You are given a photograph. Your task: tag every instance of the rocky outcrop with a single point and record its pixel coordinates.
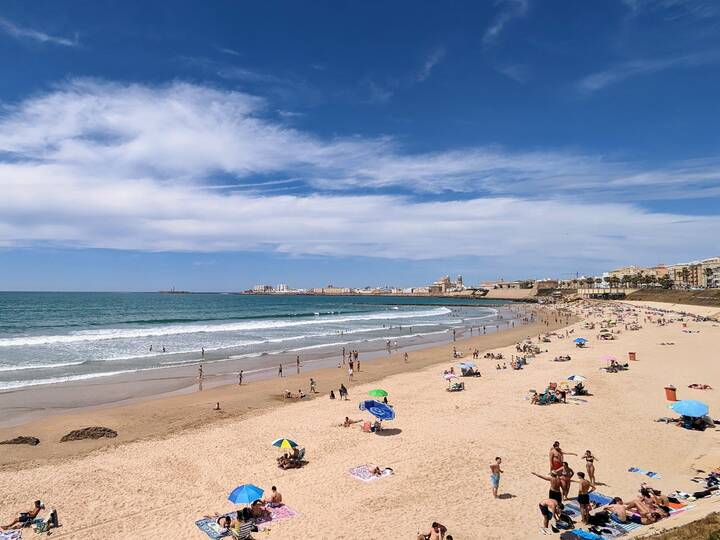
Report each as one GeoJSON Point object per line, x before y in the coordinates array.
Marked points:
{"type": "Point", "coordinates": [32, 441]}
{"type": "Point", "coordinates": [89, 433]}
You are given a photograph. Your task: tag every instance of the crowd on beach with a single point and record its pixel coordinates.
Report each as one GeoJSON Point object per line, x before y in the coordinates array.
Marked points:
{"type": "Point", "coordinates": [558, 509]}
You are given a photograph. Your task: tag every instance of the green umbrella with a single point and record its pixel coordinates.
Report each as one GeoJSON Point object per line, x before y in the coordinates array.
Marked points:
{"type": "Point", "coordinates": [378, 392]}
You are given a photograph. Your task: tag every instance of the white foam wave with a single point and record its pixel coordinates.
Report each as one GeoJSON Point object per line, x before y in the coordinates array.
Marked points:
{"type": "Point", "coordinates": [175, 329]}
{"type": "Point", "coordinates": [38, 366]}
{"type": "Point", "coordinates": [12, 385]}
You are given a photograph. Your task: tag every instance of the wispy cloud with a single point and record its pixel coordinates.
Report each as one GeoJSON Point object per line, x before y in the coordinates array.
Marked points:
{"type": "Point", "coordinates": [674, 9]}
{"type": "Point", "coordinates": [379, 94]}
{"type": "Point", "coordinates": [509, 10]}
{"type": "Point", "coordinates": [231, 52]}
{"type": "Point", "coordinates": [626, 70]}
{"type": "Point", "coordinates": [96, 164]}
{"type": "Point", "coordinates": [518, 73]}
{"type": "Point", "coordinates": [22, 32]}
{"type": "Point", "coordinates": [432, 60]}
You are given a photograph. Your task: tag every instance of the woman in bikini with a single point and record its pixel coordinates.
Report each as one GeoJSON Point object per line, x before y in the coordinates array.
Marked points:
{"type": "Point", "coordinates": [590, 465]}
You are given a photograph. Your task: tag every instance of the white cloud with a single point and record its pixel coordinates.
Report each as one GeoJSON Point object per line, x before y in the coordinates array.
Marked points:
{"type": "Point", "coordinates": [20, 32]}
{"type": "Point", "coordinates": [509, 10]}
{"type": "Point", "coordinates": [634, 68]}
{"type": "Point", "coordinates": [95, 164]}
{"type": "Point", "coordinates": [432, 60]}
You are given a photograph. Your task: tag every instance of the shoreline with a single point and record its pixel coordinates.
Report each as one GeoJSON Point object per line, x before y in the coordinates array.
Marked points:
{"type": "Point", "coordinates": [439, 445]}
{"type": "Point", "coordinates": [183, 407]}
{"type": "Point", "coordinates": [219, 369]}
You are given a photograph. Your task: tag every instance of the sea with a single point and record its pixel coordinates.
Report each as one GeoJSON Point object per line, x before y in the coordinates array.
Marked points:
{"type": "Point", "coordinates": [56, 337]}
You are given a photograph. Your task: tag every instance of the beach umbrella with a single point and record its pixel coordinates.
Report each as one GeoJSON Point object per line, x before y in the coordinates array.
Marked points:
{"type": "Point", "coordinates": [448, 376]}
{"type": "Point", "coordinates": [576, 378]}
{"type": "Point", "coordinates": [467, 365]}
{"type": "Point", "coordinates": [284, 443]}
{"type": "Point", "coordinates": [245, 494]}
{"type": "Point", "coordinates": [580, 340]}
{"type": "Point", "coordinates": [690, 407]}
{"type": "Point", "coordinates": [377, 409]}
{"type": "Point", "coordinates": [378, 392]}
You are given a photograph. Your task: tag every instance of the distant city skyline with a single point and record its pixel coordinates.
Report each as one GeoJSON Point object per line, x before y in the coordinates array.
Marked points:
{"type": "Point", "coordinates": [215, 146]}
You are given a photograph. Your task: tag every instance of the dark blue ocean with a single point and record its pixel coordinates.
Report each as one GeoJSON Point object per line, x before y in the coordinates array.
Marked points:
{"type": "Point", "coordinates": [55, 337]}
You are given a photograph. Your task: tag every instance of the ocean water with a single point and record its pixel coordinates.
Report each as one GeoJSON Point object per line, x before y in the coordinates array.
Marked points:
{"type": "Point", "coordinates": [49, 338]}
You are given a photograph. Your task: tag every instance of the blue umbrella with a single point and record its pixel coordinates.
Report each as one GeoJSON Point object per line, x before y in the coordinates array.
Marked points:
{"type": "Point", "coordinates": [580, 340]}
{"type": "Point", "coordinates": [378, 409]}
{"type": "Point", "coordinates": [245, 494]}
{"type": "Point", "coordinates": [690, 407]}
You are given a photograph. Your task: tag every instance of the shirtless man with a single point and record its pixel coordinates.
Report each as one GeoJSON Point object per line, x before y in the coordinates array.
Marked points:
{"type": "Point", "coordinates": [275, 498]}
{"type": "Point", "coordinates": [586, 488]}
{"type": "Point", "coordinates": [618, 512]}
{"type": "Point", "coordinates": [549, 508]}
{"type": "Point", "coordinates": [25, 517]}
{"type": "Point", "coordinates": [495, 472]}
{"type": "Point", "coordinates": [555, 492]}
{"type": "Point", "coordinates": [557, 456]}
{"type": "Point", "coordinates": [641, 506]}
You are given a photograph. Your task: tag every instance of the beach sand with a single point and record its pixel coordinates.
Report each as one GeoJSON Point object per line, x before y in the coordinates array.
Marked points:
{"type": "Point", "coordinates": [141, 485]}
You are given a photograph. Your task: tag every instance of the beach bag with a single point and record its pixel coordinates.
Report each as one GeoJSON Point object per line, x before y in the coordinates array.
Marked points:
{"type": "Point", "coordinates": [600, 518]}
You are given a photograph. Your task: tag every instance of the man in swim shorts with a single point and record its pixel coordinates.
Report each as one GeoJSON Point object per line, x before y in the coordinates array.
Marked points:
{"type": "Point", "coordinates": [25, 518]}
{"type": "Point", "coordinates": [495, 472]}
{"type": "Point", "coordinates": [549, 508]}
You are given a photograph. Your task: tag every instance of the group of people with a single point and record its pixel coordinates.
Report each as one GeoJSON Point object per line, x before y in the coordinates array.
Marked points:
{"type": "Point", "coordinates": [292, 460]}
{"type": "Point", "coordinates": [31, 517]}
{"type": "Point", "coordinates": [243, 522]}
{"type": "Point", "coordinates": [342, 393]}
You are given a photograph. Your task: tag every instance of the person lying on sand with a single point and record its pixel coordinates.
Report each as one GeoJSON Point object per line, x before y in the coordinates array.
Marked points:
{"type": "Point", "coordinates": [258, 510]}
{"type": "Point", "coordinates": [618, 512]}
{"type": "Point", "coordinates": [376, 470]}
{"type": "Point", "coordinates": [697, 386]}
{"type": "Point", "coordinates": [24, 519]}
{"type": "Point", "coordinates": [348, 422]}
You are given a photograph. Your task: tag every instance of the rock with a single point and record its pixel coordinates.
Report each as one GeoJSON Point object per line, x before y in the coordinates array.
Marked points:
{"type": "Point", "coordinates": [32, 441]}
{"type": "Point", "coordinates": [89, 433]}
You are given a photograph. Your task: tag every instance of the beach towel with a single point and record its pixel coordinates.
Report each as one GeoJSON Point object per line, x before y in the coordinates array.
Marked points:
{"type": "Point", "coordinates": [625, 527]}
{"type": "Point", "coordinates": [11, 535]}
{"type": "Point", "coordinates": [362, 472]}
{"type": "Point", "coordinates": [208, 526]}
{"type": "Point", "coordinates": [599, 498]}
{"type": "Point", "coordinates": [278, 513]}
{"type": "Point", "coordinates": [649, 474]}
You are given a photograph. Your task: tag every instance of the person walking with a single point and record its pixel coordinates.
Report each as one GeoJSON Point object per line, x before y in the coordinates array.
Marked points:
{"type": "Point", "coordinates": [280, 373]}
{"type": "Point", "coordinates": [312, 386]}
{"type": "Point", "coordinates": [297, 363]}
{"type": "Point", "coordinates": [240, 377]}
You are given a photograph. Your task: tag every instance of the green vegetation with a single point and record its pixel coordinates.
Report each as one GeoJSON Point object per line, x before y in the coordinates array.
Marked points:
{"type": "Point", "coordinates": [707, 528]}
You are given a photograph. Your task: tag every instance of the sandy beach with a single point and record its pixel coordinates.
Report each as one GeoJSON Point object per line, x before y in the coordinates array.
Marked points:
{"type": "Point", "coordinates": [175, 460]}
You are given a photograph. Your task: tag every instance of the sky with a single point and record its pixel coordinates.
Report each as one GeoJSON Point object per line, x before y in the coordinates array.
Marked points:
{"type": "Point", "coordinates": [211, 146]}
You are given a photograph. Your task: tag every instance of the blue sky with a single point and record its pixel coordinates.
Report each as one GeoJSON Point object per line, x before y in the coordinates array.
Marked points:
{"type": "Point", "coordinates": [211, 146]}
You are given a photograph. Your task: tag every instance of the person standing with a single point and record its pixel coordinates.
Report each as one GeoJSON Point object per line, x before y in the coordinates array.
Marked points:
{"type": "Point", "coordinates": [583, 498]}
{"type": "Point", "coordinates": [312, 386]}
{"type": "Point", "coordinates": [358, 365]}
{"type": "Point", "coordinates": [495, 472]}
{"type": "Point", "coordinates": [350, 374]}
{"type": "Point", "coordinates": [297, 363]}
{"type": "Point", "coordinates": [280, 373]}
{"type": "Point", "coordinates": [590, 465]}
{"type": "Point", "coordinates": [240, 377]}
{"type": "Point", "coordinates": [453, 334]}
{"type": "Point", "coordinates": [405, 357]}
{"type": "Point", "coordinates": [202, 352]}
{"type": "Point", "coordinates": [555, 492]}
{"type": "Point", "coordinates": [343, 355]}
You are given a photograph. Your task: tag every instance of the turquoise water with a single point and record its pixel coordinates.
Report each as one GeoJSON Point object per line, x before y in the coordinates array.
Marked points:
{"type": "Point", "coordinates": [55, 337]}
